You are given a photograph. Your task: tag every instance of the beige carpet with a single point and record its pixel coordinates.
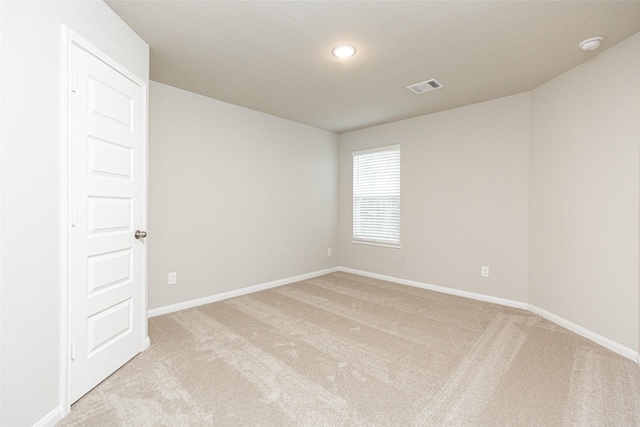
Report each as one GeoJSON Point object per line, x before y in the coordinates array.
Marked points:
{"type": "Point", "coordinates": [345, 350]}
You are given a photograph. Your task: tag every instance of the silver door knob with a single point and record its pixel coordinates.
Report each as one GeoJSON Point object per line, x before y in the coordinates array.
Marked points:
{"type": "Point", "coordinates": [140, 234]}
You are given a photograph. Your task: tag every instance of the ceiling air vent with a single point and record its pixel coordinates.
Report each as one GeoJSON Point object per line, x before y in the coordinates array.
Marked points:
{"type": "Point", "coordinates": [423, 87]}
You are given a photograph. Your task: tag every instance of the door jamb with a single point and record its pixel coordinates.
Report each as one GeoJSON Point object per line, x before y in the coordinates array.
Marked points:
{"type": "Point", "coordinates": [69, 38]}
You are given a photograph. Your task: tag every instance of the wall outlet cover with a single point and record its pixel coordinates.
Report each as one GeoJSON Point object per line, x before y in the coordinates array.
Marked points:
{"type": "Point", "coordinates": [484, 271]}
{"type": "Point", "coordinates": [172, 278]}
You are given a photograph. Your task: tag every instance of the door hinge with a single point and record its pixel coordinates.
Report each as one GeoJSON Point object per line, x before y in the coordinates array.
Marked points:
{"type": "Point", "coordinates": [72, 350]}
{"type": "Point", "coordinates": [73, 83]}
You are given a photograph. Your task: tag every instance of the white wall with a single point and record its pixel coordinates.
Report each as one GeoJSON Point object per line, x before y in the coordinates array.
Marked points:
{"type": "Point", "coordinates": [30, 190]}
{"type": "Point", "coordinates": [236, 197]}
{"type": "Point", "coordinates": [585, 138]}
{"type": "Point", "coordinates": [464, 195]}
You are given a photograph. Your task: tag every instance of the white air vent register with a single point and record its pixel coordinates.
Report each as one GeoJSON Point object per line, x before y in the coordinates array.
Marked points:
{"type": "Point", "coordinates": [423, 87]}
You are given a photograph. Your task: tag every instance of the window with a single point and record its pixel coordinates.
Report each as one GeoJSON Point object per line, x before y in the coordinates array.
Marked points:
{"type": "Point", "coordinates": [376, 196]}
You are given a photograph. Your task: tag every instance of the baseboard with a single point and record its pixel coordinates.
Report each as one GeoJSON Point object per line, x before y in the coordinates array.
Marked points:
{"type": "Point", "coordinates": [51, 419]}
{"type": "Point", "coordinates": [441, 289]}
{"type": "Point", "coordinates": [598, 339]}
{"type": "Point", "coordinates": [235, 293]}
{"type": "Point", "coordinates": [586, 333]}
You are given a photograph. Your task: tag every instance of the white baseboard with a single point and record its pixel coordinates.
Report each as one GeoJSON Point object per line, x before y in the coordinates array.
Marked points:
{"type": "Point", "coordinates": [598, 339]}
{"type": "Point", "coordinates": [235, 293]}
{"type": "Point", "coordinates": [51, 419]}
{"type": "Point", "coordinates": [441, 289]}
{"type": "Point", "coordinates": [586, 333]}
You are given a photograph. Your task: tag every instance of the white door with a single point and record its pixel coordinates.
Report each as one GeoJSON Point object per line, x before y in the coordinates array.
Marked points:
{"type": "Point", "coordinates": [106, 292]}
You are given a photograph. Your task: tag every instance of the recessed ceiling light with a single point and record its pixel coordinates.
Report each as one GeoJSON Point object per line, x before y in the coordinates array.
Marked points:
{"type": "Point", "coordinates": [344, 51]}
{"type": "Point", "coordinates": [591, 44]}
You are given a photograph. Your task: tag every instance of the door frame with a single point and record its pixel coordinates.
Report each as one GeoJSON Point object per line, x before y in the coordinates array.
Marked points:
{"type": "Point", "coordinates": [68, 39]}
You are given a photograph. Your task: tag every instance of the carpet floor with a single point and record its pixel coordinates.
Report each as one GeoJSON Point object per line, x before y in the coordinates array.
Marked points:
{"type": "Point", "coordinates": [346, 350]}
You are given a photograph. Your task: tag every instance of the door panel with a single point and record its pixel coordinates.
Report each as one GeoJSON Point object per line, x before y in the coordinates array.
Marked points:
{"type": "Point", "coordinates": [110, 214]}
{"type": "Point", "coordinates": [106, 158]}
{"type": "Point", "coordinates": [106, 195]}
{"type": "Point", "coordinates": [109, 325]}
{"type": "Point", "coordinates": [107, 102]}
{"type": "Point", "coordinates": [111, 269]}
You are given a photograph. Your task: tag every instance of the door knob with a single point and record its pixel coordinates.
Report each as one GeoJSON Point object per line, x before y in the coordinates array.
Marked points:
{"type": "Point", "coordinates": [140, 234]}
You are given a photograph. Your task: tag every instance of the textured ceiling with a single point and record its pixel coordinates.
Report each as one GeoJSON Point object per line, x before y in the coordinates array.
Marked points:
{"type": "Point", "coordinates": [275, 57]}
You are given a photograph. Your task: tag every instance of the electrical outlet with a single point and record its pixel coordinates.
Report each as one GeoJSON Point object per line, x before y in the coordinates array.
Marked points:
{"type": "Point", "coordinates": [484, 271]}
{"type": "Point", "coordinates": [329, 252]}
{"type": "Point", "coordinates": [172, 278]}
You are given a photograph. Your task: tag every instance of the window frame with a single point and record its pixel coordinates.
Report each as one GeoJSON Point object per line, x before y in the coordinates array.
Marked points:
{"type": "Point", "coordinates": [373, 241]}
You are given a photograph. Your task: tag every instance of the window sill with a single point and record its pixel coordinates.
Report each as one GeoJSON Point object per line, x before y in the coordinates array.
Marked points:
{"type": "Point", "coordinates": [386, 245]}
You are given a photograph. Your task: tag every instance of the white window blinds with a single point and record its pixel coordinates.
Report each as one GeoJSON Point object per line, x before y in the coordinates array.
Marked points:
{"type": "Point", "coordinates": [376, 196]}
